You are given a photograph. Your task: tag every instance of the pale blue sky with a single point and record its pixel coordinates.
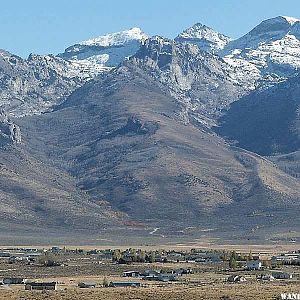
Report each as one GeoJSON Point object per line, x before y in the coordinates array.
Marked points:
{"type": "Point", "coordinates": [44, 26]}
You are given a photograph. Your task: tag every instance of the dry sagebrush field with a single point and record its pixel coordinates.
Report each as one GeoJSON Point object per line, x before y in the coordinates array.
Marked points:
{"type": "Point", "coordinates": [220, 291]}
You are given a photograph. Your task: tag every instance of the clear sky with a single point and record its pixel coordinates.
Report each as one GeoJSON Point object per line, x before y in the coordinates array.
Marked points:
{"type": "Point", "coordinates": [49, 26]}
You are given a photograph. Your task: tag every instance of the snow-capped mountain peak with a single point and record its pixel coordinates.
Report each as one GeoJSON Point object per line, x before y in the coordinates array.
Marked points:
{"type": "Point", "coordinates": [104, 52]}
{"type": "Point", "coordinates": [199, 31]}
{"type": "Point", "coordinates": [268, 30]}
{"type": "Point", "coordinates": [272, 48]}
{"type": "Point", "coordinates": [274, 26]}
{"type": "Point", "coordinates": [204, 37]}
{"type": "Point", "coordinates": [117, 38]}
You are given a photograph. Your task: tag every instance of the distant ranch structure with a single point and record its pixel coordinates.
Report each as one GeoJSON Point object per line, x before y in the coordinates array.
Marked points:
{"type": "Point", "coordinates": [41, 286]}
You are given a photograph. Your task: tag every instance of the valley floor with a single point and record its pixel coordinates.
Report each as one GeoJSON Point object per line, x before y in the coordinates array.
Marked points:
{"type": "Point", "coordinates": [208, 281]}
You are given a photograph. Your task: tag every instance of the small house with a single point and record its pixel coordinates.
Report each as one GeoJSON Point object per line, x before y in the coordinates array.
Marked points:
{"type": "Point", "coordinates": [41, 286]}
{"type": "Point", "coordinates": [161, 277]}
{"type": "Point", "coordinates": [282, 275]}
{"type": "Point", "coordinates": [14, 259]}
{"type": "Point", "coordinates": [13, 280]}
{"type": "Point", "coordinates": [254, 265]}
{"type": "Point", "coordinates": [167, 277]}
{"type": "Point", "coordinates": [150, 273]}
{"type": "Point", "coordinates": [131, 274]}
{"type": "Point", "coordinates": [87, 285]}
{"type": "Point", "coordinates": [4, 254]}
{"type": "Point", "coordinates": [125, 284]}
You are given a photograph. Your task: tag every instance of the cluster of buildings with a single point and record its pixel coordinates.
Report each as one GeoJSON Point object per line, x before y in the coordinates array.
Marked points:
{"type": "Point", "coordinates": [159, 275]}
{"type": "Point", "coordinates": [261, 277]}
{"type": "Point", "coordinates": [274, 275]}
{"type": "Point", "coordinates": [20, 254]}
{"type": "Point", "coordinates": [133, 255]}
{"type": "Point", "coordinates": [256, 265]}
{"type": "Point", "coordinates": [28, 284]}
{"type": "Point", "coordinates": [52, 285]}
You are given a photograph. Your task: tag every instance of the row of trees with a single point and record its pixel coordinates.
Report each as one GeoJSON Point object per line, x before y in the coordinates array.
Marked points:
{"type": "Point", "coordinates": [226, 256]}
{"type": "Point", "coordinates": [234, 258]}
{"type": "Point", "coordinates": [48, 259]}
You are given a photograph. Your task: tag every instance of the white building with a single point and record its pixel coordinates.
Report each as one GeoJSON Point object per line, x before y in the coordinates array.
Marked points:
{"type": "Point", "coordinates": [254, 265]}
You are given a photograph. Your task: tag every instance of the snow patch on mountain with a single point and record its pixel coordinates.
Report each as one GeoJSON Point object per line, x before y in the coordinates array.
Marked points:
{"type": "Point", "coordinates": [272, 47]}
{"type": "Point", "coordinates": [117, 38]}
{"type": "Point", "coordinates": [204, 37]}
{"type": "Point", "coordinates": [34, 85]}
{"type": "Point", "coordinates": [105, 52]}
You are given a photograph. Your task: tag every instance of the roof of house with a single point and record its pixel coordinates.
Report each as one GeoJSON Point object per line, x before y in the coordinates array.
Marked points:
{"type": "Point", "coordinates": [42, 283]}
{"type": "Point", "coordinates": [129, 272]}
{"type": "Point", "coordinates": [126, 282]}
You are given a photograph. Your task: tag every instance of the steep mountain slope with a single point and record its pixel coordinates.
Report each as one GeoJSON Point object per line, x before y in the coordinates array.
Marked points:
{"type": "Point", "coordinates": [204, 37]}
{"type": "Point", "coordinates": [33, 85]}
{"type": "Point", "coordinates": [267, 120]}
{"type": "Point", "coordinates": [37, 195]}
{"type": "Point", "coordinates": [123, 140]}
{"type": "Point", "coordinates": [104, 52]}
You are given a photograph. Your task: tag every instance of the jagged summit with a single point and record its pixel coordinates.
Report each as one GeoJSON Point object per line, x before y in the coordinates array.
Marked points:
{"type": "Point", "coordinates": [204, 37]}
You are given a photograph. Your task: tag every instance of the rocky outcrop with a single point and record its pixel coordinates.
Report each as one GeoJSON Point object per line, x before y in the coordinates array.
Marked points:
{"type": "Point", "coordinates": [202, 82]}
{"type": "Point", "coordinates": [34, 85]}
{"type": "Point", "coordinates": [10, 133]}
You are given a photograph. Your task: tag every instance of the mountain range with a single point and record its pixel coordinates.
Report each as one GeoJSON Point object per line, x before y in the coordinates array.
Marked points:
{"type": "Point", "coordinates": [195, 136]}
